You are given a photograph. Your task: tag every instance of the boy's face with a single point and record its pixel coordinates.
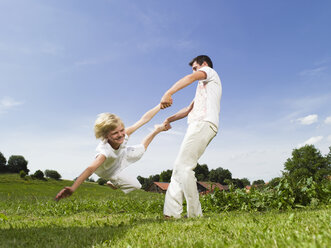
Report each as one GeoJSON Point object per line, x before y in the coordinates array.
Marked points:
{"type": "Point", "coordinates": [116, 136]}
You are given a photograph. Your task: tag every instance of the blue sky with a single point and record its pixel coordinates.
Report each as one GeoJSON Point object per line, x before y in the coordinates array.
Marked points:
{"type": "Point", "coordinates": [63, 62]}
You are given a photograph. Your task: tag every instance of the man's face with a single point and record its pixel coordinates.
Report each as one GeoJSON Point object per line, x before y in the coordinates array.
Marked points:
{"type": "Point", "coordinates": [116, 137]}
{"type": "Point", "coordinates": [196, 66]}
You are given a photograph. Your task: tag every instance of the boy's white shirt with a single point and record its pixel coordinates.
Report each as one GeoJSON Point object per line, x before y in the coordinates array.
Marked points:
{"type": "Point", "coordinates": [207, 98]}
{"type": "Point", "coordinates": [117, 160]}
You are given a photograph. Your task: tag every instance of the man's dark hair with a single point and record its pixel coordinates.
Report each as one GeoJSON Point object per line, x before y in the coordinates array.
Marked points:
{"type": "Point", "coordinates": [200, 59]}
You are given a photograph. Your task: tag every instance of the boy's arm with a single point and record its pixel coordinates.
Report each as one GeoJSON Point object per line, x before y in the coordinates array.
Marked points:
{"type": "Point", "coordinates": [68, 191]}
{"type": "Point", "coordinates": [157, 129]}
{"type": "Point", "coordinates": [143, 120]}
{"type": "Point", "coordinates": [180, 114]}
{"type": "Point", "coordinates": [166, 100]}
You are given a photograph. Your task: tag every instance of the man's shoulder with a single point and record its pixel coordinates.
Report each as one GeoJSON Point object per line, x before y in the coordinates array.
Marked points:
{"type": "Point", "coordinates": [211, 73]}
{"type": "Point", "coordinates": [208, 70]}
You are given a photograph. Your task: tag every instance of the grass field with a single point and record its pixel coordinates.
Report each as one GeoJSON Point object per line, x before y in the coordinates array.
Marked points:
{"type": "Point", "coordinates": [96, 216]}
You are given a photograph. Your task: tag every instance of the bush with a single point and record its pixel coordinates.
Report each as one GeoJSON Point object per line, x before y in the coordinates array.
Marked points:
{"type": "Point", "coordinates": [39, 175]}
{"type": "Point", "coordinates": [22, 174]}
{"type": "Point", "coordinates": [285, 195]}
{"type": "Point", "coordinates": [101, 181]}
{"type": "Point", "coordinates": [52, 174]}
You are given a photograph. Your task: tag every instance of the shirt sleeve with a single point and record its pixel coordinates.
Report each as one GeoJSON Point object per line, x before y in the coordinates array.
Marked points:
{"type": "Point", "coordinates": [208, 71]}
{"type": "Point", "coordinates": [102, 149]}
{"type": "Point", "coordinates": [134, 153]}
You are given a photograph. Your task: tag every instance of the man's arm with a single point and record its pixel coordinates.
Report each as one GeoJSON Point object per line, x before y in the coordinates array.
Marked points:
{"type": "Point", "coordinates": [166, 100]}
{"type": "Point", "coordinates": [143, 120]}
{"type": "Point", "coordinates": [68, 191]}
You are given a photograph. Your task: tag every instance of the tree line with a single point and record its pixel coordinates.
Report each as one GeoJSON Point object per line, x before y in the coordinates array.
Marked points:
{"type": "Point", "coordinates": [202, 173]}
{"type": "Point", "coordinates": [305, 162]}
{"type": "Point", "coordinates": [18, 164]}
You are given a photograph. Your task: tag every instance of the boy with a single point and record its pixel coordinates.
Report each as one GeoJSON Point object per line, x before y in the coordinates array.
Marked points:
{"type": "Point", "coordinates": [112, 153]}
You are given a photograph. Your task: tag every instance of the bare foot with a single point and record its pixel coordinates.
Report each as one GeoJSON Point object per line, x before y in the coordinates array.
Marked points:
{"type": "Point", "coordinates": [111, 185]}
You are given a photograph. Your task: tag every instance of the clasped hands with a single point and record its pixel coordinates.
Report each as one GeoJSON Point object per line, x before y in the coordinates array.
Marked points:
{"type": "Point", "coordinates": [166, 101]}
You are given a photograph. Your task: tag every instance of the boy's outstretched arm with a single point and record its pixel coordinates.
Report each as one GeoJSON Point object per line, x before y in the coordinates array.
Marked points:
{"type": "Point", "coordinates": [68, 191]}
{"type": "Point", "coordinates": [143, 120]}
{"type": "Point", "coordinates": [157, 129]}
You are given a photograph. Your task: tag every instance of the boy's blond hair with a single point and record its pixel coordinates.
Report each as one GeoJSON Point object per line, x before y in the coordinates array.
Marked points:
{"type": "Point", "coordinates": [105, 123]}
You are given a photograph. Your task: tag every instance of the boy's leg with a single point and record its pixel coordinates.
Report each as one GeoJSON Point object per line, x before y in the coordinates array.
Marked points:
{"type": "Point", "coordinates": [125, 182]}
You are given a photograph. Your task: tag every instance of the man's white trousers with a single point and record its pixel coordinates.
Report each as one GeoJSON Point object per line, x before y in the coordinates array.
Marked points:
{"type": "Point", "coordinates": [183, 181]}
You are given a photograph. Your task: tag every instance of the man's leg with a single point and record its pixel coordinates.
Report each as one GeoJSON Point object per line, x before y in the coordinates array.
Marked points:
{"type": "Point", "coordinates": [196, 140]}
{"type": "Point", "coordinates": [173, 203]}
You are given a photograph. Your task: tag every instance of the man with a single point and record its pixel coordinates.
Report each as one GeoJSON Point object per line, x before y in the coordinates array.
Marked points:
{"type": "Point", "coordinates": [203, 119]}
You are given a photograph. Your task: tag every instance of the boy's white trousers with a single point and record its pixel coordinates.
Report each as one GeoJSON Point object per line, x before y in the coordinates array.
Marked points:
{"type": "Point", "coordinates": [183, 181]}
{"type": "Point", "coordinates": [125, 182]}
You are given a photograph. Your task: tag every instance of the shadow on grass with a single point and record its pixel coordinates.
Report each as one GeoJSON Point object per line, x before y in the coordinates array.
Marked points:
{"type": "Point", "coordinates": [58, 236]}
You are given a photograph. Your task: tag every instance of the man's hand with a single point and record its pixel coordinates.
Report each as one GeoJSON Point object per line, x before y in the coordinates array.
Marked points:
{"type": "Point", "coordinates": [162, 127]}
{"type": "Point", "coordinates": [166, 101]}
{"type": "Point", "coordinates": [67, 191]}
{"type": "Point", "coordinates": [167, 125]}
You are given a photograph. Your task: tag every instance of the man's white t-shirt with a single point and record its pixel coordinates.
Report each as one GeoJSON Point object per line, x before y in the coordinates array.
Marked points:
{"type": "Point", "coordinates": [117, 160]}
{"type": "Point", "coordinates": [207, 98]}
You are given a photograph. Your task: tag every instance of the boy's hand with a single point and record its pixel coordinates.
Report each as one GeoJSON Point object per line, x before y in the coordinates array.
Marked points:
{"type": "Point", "coordinates": [162, 127]}
{"type": "Point", "coordinates": [67, 191]}
{"type": "Point", "coordinates": [167, 125]}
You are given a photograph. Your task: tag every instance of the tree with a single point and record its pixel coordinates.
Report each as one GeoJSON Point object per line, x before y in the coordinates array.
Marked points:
{"type": "Point", "coordinates": [39, 175]}
{"type": "Point", "coordinates": [16, 163]}
{"type": "Point", "coordinates": [155, 178]}
{"type": "Point", "coordinates": [274, 182]}
{"type": "Point", "coordinates": [3, 161]}
{"type": "Point", "coordinates": [201, 172]}
{"type": "Point", "coordinates": [165, 176]}
{"type": "Point", "coordinates": [101, 181]}
{"type": "Point", "coordinates": [258, 182]}
{"type": "Point", "coordinates": [307, 162]}
{"type": "Point", "coordinates": [219, 175]}
{"type": "Point", "coordinates": [238, 183]}
{"type": "Point", "coordinates": [145, 182]}
{"type": "Point", "coordinates": [52, 174]}
{"type": "Point", "coordinates": [328, 157]}
{"type": "Point", "coordinates": [245, 181]}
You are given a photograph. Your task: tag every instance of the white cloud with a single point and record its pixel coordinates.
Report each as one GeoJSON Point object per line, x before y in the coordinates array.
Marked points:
{"type": "Point", "coordinates": [311, 141]}
{"type": "Point", "coordinates": [308, 103]}
{"type": "Point", "coordinates": [313, 72]}
{"type": "Point", "coordinates": [327, 120]}
{"type": "Point", "coordinates": [329, 138]}
{"type": "Point", "coordinates": [87, 62]}
{"type": "Point", "coordinates": [51, 49]}
{"type": "Point", "coordinates": [7, 103]}
{"type": "Point", "coordinates": [308, 120]}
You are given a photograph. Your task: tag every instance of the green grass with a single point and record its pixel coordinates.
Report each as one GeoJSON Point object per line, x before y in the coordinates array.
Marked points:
{"type": "Point", "coordinates": [96, 216]}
